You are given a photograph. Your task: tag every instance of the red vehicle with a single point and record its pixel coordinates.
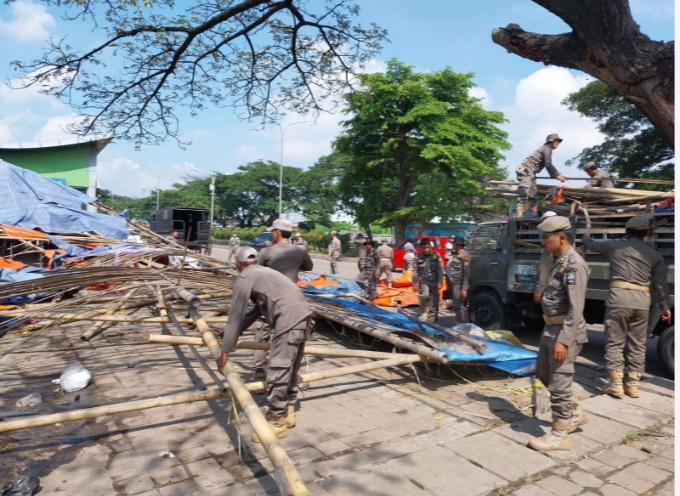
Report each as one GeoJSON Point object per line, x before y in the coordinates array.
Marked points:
{"type": "Point", "coordinates": [438, 244]}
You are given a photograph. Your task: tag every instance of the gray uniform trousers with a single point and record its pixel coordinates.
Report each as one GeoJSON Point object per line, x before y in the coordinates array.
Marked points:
{"type": "Point", "coordinates": [557, 377]}
{"type": "Point", "coordinates": [626, 326]}
{"type": "Point", "coordinates": [285, 358]}
{"type": "Point", "coordinates": [458, 303]}
{"type": "Point", "coordinates": [527, 189]}
{"type": "Point", "coordinates": [429, 301]}
{"type": "Point", "coordinates": [262, 335]}
{"type": "Point", "coordinates": [386, 268]}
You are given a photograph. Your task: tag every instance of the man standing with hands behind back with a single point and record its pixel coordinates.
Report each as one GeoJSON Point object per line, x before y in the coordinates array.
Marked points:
{"type": "Point", "coordinates": [428, 274]}
{"type": "Point", "coordinates": [334, 252]}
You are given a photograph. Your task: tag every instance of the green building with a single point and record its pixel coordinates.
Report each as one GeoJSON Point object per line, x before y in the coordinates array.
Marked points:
{"type": "Point", "coordinates": [70, 162]}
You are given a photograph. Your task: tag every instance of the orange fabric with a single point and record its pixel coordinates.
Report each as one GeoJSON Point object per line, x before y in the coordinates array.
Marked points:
{"type": "Point", "coordinates": [101, 286]}
{"type": "Point", "coordinates": [319, 282]}
{"type": "Point", "coordinates": [49, 255]}
{"type": "Point", "coordinates": [6, 263]}
{"type": "Point", "coordinates": [560, 195]}
{"type": "Point", "coordinates": [20, 232]}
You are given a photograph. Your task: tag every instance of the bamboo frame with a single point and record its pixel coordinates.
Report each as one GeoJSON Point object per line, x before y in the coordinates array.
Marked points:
{"type": "Point", "coordinates": [93, 330]}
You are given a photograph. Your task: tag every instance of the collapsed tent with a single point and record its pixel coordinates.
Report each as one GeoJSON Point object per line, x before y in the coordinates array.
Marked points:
{"type": "Point", "coordinates": [32, 201]}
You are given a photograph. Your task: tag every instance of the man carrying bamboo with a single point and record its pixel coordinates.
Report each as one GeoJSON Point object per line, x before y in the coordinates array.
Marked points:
{"type": "Point", "coordinates": [526, 174]}
{"type": "Point", "coordinates": [287, 312]}
{"type": "Point", "coordinates": [600, 179]}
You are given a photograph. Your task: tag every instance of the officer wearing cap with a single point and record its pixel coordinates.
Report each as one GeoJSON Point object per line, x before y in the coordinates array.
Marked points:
{"type": "Point", "coordinates": [288, 259]}
{"type": "Point", "coordinates": [371, 270]}
{"type": "Point", "coordinates": [300, 241]}
{"type": "Point", "coordinates": [386, 254]}
{"type": "Point", "coordinates": [409, 255]}
{"type": "Point", "coordinates": [428, 274]}
{"type": "Point", "coordinates": [526, 174]}
{"type": "Point", "coordinates": [287, 312]}
{"type": "Point", "coordinates": [457, 274]}
{"type": "Point", "coordinates": [635, 268]}
{"type": "Point", "coordinates": [545, 263]}
{"type": "Point", "coordinates": [234, 245]}
{"type": "Point", "coordinates": [448, 249]}
{"type": "Point", "coordinates": [360, 240]}
{"type": "Point", "coordinates": [564, 333]}
{"type": "Point", "coordinates": [600, 178]}
{"type": "Point", "coordinates": [334, 252]}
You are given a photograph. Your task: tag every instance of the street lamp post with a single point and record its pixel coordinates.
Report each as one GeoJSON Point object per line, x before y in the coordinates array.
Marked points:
{"type": "Point", "coordinates": [283, 132]}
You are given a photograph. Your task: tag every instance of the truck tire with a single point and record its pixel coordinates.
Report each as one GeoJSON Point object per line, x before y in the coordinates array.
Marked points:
{"type": "Point", "coordinates": [487, 311]}
{"type": "Point", "coordinates": [665, 349]}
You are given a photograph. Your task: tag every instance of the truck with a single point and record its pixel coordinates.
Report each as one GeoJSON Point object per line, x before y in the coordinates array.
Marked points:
{"type": "Point", "coordinates": [191, 224]}
{"type": "Point", "coordinates": [504, 258]}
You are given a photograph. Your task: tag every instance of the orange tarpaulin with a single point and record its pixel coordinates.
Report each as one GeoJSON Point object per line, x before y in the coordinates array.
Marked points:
{"type": "Point", "coordinates": [388, 297]}
{"type": "Point", "coordinates": [319, 282]}
{"type": "Point", "coordinates": [6, 263]}
{"type": "Point", "coordinates": [21, 233]}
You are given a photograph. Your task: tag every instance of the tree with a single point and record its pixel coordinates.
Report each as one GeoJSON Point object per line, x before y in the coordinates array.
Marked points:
{"type": "Point", "coordinates": [606, 43]}
{"type": "Point", "coordinates": [416, 146]}
{"type": "Point", "coordinates": [632, 148]}
{"type": "Point", "coordinates": [148, 58]}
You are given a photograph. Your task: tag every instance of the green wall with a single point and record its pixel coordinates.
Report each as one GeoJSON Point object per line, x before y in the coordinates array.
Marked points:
{"type": "Point", "coordinates": [67, 162]}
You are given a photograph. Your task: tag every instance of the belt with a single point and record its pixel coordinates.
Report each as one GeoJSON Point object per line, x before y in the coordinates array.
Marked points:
{"type": "Point", "coordinates": [556, 320]}
{"type": "Point", "coordinates": [628, 285]}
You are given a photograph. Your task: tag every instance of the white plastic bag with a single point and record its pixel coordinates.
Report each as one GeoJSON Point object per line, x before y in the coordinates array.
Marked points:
{"type": "Point", "coordinates": [74, 377]}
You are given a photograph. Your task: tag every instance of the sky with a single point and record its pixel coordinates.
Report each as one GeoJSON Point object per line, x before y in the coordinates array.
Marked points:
{"type": "Point", "coordinates": [428, 35]}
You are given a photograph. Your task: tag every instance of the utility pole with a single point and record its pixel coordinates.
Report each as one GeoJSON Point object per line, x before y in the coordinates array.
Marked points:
{"type": "Point", "coordinates": [212, 201]}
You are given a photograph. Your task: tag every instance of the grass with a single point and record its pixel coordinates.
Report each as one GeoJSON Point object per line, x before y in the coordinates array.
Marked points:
{"type": "Point", "coordinates": [638, 434]}
{"type": "Point", "coordinates": [527, 480]}
{"type": "Point", "coordinates": [502, 491]}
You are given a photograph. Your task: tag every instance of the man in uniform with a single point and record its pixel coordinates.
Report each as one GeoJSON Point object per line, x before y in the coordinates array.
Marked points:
{"type": "Point", "coordinates": [371, 272]}
{"type": "Point", "coordinates": [457, 275]}
{"type": "Point", "coordinates": [287, 312]}
{"type": "Point", "coordinates": [600, 178]}
{"type": "Point", "coordinates": [300, 241]}
{"type": "Point", "coordinates": [386, 254]}
{"type": "Point", "coordinates": [234, 245]}
{"type": "Point", "coordinates": [564, 333]}
{"type": "Point", "coordinates": [334, 252]}
{"type": "Point", "coordinates": [427, 277]}
{"type": "Point", "coordinates": [633, 266]}
{"type": "Point", "coordinates": [289, 260]}
{"type": "Point", "coordinates": [526, 174]}
{"type": "Point", "coordinates": [545, 263]}
{"type": "Point", "coordinates": [448, 249]}
{"type": "Point", "coordinates": [409, 254]}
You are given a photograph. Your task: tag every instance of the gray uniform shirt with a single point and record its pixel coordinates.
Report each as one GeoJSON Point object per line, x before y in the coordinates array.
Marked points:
{"type": "Point", "coordinates": [334, 249]}
{"type": "Point", "coordinates": [545, 264]}
{"type": "Point", "coordinates": [234, 242]}
{"type": "Point", "coordinates": [600, 180]}
{"type": "Point", "coordinates": [565, 294]}
{"type": "Point", "coordinates": [634, 261]}
{"type": "Point", "coordinates": [541, 158]}
{"type": "Point", "coordinates": [427, 269]}
{"type": "Point", "coordinates": [287, 258]}
{"type": "Point", "coordinates": [458, 269]}
{"type": "Point", "coordinates": [371, 260]}
{"type": "Point", "coordinates": [276, 297]}
{"type": "Point", "coordinates": [386, 254]}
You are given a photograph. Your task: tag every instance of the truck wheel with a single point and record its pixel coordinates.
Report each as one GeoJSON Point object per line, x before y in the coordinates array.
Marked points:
{"type": "Point", "coordinates": [487, 311]}
{"type": "Point", "coordinates": [665, 349]}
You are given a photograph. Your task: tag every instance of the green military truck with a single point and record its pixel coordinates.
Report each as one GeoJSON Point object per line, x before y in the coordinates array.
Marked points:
{"type": "Point", "coordinates": [504, 258]}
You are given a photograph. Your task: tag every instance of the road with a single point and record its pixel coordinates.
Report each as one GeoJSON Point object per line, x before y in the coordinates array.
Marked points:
{"type": "Point", "coordinates": [593, 350]}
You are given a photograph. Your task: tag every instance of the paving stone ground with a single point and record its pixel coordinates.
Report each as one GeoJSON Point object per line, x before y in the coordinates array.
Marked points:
{"type": "Point", "coordinates": [380, 433]}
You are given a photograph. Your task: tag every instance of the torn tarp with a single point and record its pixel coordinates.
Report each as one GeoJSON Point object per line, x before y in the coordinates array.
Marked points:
{"type": "Point", "coordinates": [33, 201]}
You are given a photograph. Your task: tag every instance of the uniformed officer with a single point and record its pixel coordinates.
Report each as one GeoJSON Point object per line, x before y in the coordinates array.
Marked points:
{"type": "Point", "coordinates": [334, 252]}
{"type": "Point", "coordinates": [545, 263]}
{"type": "Point", "coordinates": [289, 260]}
{"type": "Point", "coordinates": [634, 267]}
{"type": "Point", "coordinates": [428, 273]}
{"type": "Point", "coordinates": [360, 240]}
{"type": "Point", "coordinates": [234, 245]}
{"type": "Point", "coordinates": [287, 312]}
{"type": "Point", "coordinates": [386, 254]}
{"type": "Point", "coordinates": [409, 255]}
{"type": "Point", "coordinates": [600, 178]}
{"type": "Point", "coordinates": [371, 272]}
{"type": "Point", "coordinates": [448, 249]}
{"type": "Point", "coordinates": [457, 275]}
{"type": "Point", "coordinates": [564, 333]}
{"type": "Point", "coordinates": [300, 241]}
{"type": "Point", "coordinates": [526, 174]}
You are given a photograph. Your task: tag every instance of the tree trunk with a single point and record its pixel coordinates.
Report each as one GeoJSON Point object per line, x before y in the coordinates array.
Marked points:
{"type": "Point", "coordinates": [400, 231]}
{"type": "Point", "coordinates": [606, 43]}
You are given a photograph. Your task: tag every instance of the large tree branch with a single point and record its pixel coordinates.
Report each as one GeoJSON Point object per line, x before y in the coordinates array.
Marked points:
{"type": "Point", "coordinates": [606, 43]}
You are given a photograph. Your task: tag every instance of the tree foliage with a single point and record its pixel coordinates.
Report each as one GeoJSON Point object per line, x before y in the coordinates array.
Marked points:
{"type": "Point", "coordinates": [146, 59]}
{"type": "Point", "coordinates": [632, 147]}
{"type": "Point", "coordinates": [416, 146]}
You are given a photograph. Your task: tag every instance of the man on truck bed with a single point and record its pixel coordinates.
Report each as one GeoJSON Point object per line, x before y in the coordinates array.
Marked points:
{"type": "Point", "coordinates": [427, 277]}
{"type": "Point", "coordinates": [633, 265]}
{"type": "Point", "coordinates": [600, 178]}
{"type": "Point", "coordinates": [526, 174]}
{"type": "Point", "coordinates": [564, 333]}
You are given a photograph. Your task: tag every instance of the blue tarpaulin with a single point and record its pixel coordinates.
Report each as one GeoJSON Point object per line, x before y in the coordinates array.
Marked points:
{"type": "Point", "coordinates": [33, 201]}
{"type": "Point", "coordinates": [498, 354]}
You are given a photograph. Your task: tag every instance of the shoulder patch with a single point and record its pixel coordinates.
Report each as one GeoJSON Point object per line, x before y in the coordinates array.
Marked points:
{"type": "Point", "coordinates": [571, 279]}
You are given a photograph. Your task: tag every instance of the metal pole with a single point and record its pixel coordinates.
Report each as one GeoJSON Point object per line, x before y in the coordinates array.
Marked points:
{"type": "Point", "coordinates": [212, 201]}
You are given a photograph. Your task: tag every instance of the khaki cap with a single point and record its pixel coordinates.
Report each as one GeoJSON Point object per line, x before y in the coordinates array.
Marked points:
{"type": "Point", "coordinates": [553, 137]}
{"type": "Point", "coordinates": [637, 223]}
{"type": "Point", "coordinates": [590, 165]}
{"type": "Point", "coordinates": [281, 225]}
{"type": "Point", "coordinates": [555, 224]}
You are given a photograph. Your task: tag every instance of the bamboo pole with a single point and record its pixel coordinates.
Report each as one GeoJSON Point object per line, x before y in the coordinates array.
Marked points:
{"type": "Point", "coordinates": [192, 396]}
{"type": "Point", "coordinates": [70, 317]}
{"type": "Point", "coordinates": [308, 350]}
{"type": "Point", "coordinates": [286, 475]}
{"type": "Point", "coordinates": [96, 328]}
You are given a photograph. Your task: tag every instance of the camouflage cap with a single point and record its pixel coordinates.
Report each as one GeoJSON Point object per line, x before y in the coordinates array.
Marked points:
{"type": "Point", "coordinates": [555, 224]}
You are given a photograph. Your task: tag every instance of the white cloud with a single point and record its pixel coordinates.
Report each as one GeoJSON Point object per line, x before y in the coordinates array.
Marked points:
{"type": "Point", "coordinates": [482, 94]}
{"type": "Point", "coordinates": [28, 22]}
{"type": "Point", "coordinates": [537, 112]}
{"type": "Point", "coordinates": [56, 128]}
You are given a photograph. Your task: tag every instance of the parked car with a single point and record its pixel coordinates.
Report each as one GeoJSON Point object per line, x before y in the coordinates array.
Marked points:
{"type": "Point", "coordinates": [438, 243]}
{"type": "Point", "coordinates": [261, 240]}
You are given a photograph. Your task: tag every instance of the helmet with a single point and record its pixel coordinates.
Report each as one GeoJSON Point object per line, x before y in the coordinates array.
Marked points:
{"type": "Point", "coordinates": [246, 254]}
